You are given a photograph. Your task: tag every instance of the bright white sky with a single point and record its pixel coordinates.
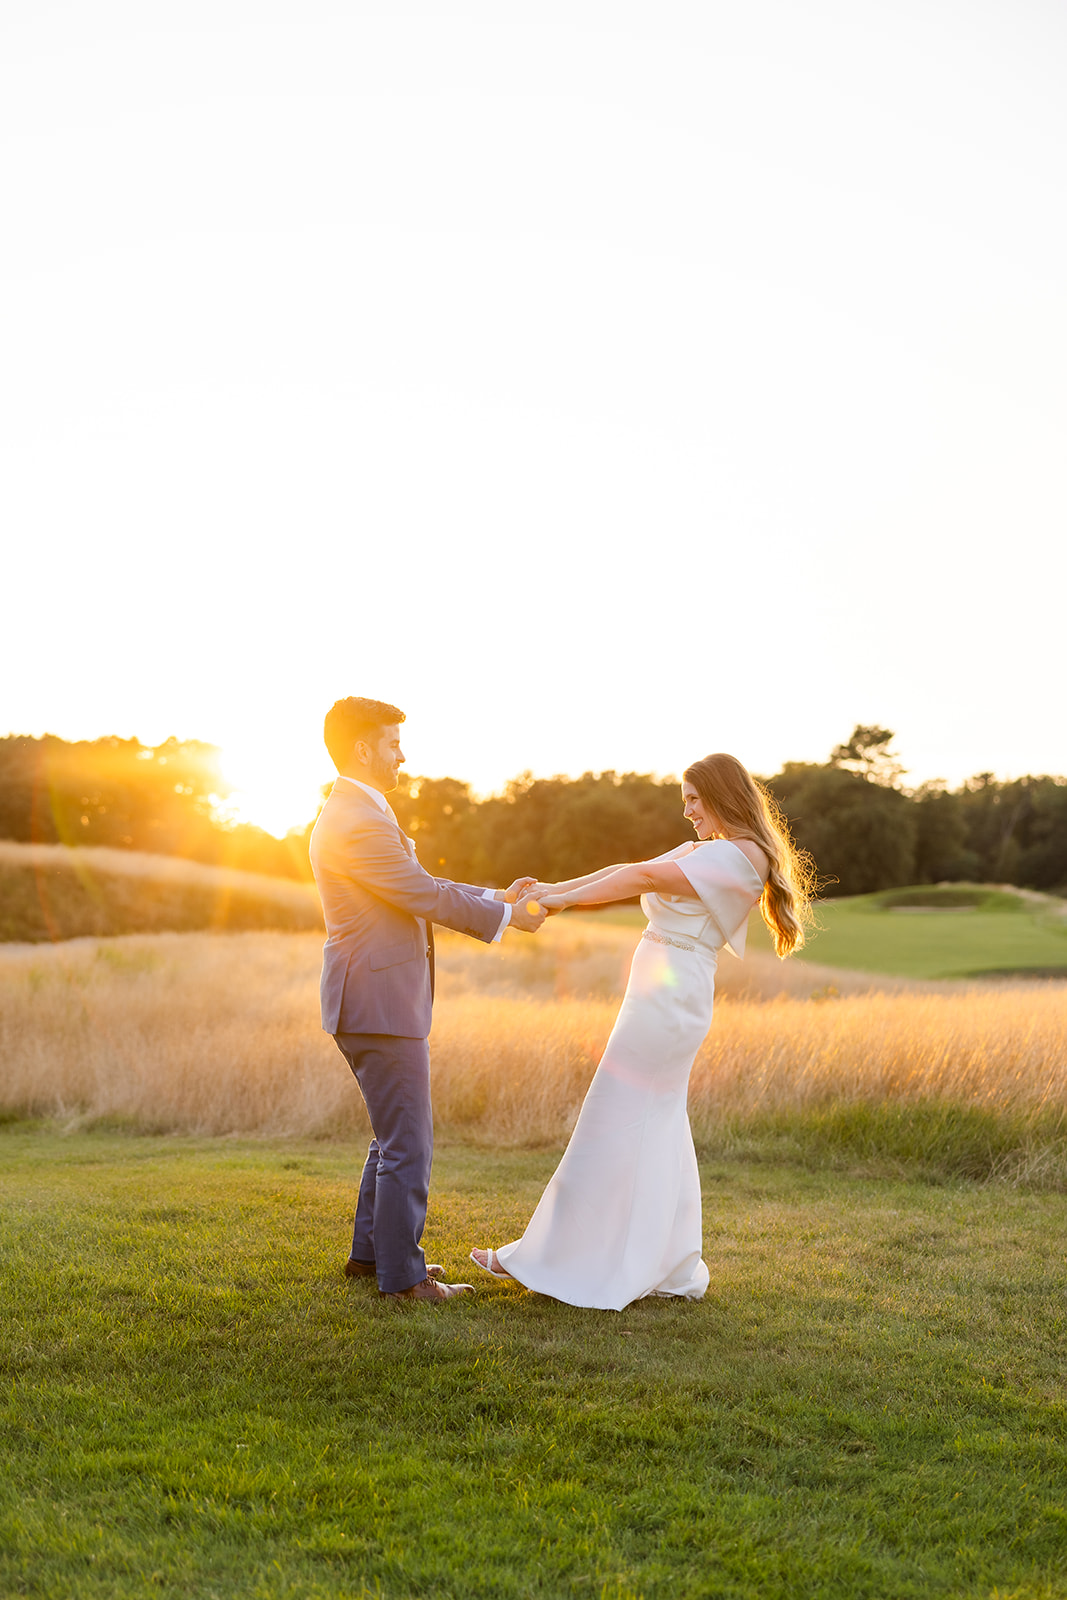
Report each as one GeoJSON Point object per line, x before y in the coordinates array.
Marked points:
{"type": "Point", "coordinates": [603, 383]}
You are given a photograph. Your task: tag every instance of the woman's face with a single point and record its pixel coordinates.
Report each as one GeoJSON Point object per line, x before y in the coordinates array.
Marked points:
{"type": "Point", "coordinates": [701, 816]}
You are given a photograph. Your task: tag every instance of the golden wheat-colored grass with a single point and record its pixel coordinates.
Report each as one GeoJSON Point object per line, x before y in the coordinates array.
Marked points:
{"type": "Point", "coordinates": [219, 1034]}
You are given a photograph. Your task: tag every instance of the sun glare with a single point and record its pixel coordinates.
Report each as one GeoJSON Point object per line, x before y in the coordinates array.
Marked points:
{"type": "Point", "coordinates": [272, 795]}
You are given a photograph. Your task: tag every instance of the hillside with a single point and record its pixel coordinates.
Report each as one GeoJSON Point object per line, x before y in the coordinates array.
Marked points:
{"type": "Point", "coordinates": [50, 892]}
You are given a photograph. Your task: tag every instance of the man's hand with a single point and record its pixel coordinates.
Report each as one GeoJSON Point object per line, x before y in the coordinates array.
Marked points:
{"type": "Point", "coordinates": [527, 915]}
{"type": "Point", "coordinates": [514, 890]}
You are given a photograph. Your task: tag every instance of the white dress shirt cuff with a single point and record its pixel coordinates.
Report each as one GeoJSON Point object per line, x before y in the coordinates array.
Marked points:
{"type": "Point", "coordinates": [490, 894]}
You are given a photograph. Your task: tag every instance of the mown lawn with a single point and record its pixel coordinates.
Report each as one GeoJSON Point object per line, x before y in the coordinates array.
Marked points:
{"type": "Point", "coordinates": [866, 935]}
{"type": "Point", "coordinates": [869, 1402]}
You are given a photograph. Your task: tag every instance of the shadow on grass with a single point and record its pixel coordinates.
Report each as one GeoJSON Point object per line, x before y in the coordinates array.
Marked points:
{"type": "Point", "coordinates": [932, 1140]}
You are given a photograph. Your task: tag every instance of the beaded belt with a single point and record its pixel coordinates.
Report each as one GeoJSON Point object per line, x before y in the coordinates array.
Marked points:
{"type": "Point", "coordinates": [661, 938]}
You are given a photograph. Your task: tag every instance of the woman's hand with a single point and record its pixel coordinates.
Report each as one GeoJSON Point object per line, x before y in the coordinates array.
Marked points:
{"type": "Point", "coordinates": [551, 902]}
{"type": "Point", "coordinates": [521, 886]}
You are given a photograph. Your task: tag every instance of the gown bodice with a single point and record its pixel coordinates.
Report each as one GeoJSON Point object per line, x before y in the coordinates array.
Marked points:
{"type": "Point", "coordinates": [726, 886]}
{"type": "Point", "coordinates": [680, 917]}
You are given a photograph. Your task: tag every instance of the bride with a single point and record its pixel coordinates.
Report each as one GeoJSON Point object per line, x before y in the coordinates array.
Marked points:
{"type": "Point", "coordinates": [620, 1218]}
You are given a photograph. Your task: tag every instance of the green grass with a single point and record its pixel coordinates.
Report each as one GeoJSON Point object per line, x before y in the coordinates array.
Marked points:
{"type": "Point", "coordinates": [886, 932]}
{"type": "Point", "coordinates": [78, 897]}
{"type": "Point", "coordinates": [868, 1403]}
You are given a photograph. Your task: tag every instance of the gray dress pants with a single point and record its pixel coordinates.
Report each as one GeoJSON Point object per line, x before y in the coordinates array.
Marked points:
{"type": "Point", "coordinates": [393, 1074]}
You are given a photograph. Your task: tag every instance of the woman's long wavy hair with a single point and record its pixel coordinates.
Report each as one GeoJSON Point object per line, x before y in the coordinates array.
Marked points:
{"type": "Point", "coordinates": [745, 810]}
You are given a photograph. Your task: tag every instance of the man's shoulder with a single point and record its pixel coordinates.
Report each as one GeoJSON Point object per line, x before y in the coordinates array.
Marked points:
{"type": "Point", "coordinates": [350, 799]}
{"type": "Point", "coordinates": [348, 811]}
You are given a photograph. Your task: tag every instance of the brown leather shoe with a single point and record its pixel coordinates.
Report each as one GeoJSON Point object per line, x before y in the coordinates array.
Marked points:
{"type": "Point", "coordinates": [367, 1269]}
{"type": "Point", "coordinates": [430, 1289]}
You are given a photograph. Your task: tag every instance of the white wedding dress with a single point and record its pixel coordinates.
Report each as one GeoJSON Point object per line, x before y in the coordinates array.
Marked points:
{"type": "Point", "coordinates": [620, 1218]}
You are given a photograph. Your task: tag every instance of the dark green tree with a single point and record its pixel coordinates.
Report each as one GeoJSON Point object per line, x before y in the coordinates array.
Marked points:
{"type": "Point", "coordinates": [996, 815]}
{"type": "Point", "coordinates": [861, 834]}
{"type": "Point", "coordinates": [1043, 836]}
{"type": "Point", "coordinates": [941, 851]}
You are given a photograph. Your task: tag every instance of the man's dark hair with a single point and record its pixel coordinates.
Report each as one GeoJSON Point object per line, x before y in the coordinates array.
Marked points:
{"type": "Point", "coordinates": [348, 721]}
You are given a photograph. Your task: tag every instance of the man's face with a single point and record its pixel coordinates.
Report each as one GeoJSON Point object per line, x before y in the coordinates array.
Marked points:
{"type": "Point", "coordinates": [384, 759]}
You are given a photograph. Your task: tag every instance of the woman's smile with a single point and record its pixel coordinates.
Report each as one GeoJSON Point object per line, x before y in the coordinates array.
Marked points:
{"type": "Point", "coordinates": [703, 824]}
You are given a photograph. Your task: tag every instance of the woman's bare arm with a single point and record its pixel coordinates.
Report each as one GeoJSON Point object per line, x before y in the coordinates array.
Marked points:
{"type": "Point", "coordinates": [621, 883]}
{"type": "Point", "coordinates": [542, 890]}
{"type": "Point", "coordinates": [564, 887]}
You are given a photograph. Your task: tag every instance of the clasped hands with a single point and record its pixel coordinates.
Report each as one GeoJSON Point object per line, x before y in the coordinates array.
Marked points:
{"type": "Point", "coordinates": [531, 902]}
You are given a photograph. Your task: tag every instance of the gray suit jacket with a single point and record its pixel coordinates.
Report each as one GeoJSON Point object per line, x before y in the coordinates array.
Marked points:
{"type": "Point", "coordinates": [377, 901]}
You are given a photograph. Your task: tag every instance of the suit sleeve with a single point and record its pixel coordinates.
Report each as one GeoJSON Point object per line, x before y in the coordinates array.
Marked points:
{"type": "Point", "coordinates": [467, 888]}
{"type": "Point", "coordinates": [383, 866]}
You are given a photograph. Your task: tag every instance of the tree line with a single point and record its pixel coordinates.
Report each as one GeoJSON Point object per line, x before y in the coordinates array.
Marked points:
{"type": "Point", "coordinates": [167, 799]}
{"type": "Point", "coordinates": [865, 830]}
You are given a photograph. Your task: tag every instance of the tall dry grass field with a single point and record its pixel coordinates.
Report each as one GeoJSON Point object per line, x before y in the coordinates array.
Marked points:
{"type": "Point", "coordinates": [219, 1034]}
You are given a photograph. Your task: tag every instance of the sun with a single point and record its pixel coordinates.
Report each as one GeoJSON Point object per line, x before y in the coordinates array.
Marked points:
{"type": "Point", "coordinates": [274, 794]}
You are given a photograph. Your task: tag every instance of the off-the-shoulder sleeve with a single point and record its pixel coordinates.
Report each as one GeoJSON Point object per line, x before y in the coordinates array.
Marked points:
{"type": "Point", "coordinates": [727, 885]}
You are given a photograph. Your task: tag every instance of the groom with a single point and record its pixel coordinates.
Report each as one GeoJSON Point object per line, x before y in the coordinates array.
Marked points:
{"type": "Point", "coordinates": [377, 984]}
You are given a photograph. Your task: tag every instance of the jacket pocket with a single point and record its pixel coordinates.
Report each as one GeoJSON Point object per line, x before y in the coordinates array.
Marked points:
{"type": "Point", "coordinates": [391, 955]}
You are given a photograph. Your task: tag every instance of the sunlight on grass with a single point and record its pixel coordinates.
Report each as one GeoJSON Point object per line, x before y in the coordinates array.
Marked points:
{"type": "Point", "coordinates": [869, 1401]}
{"type": "Point", "coordinates": [216, 1034]}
